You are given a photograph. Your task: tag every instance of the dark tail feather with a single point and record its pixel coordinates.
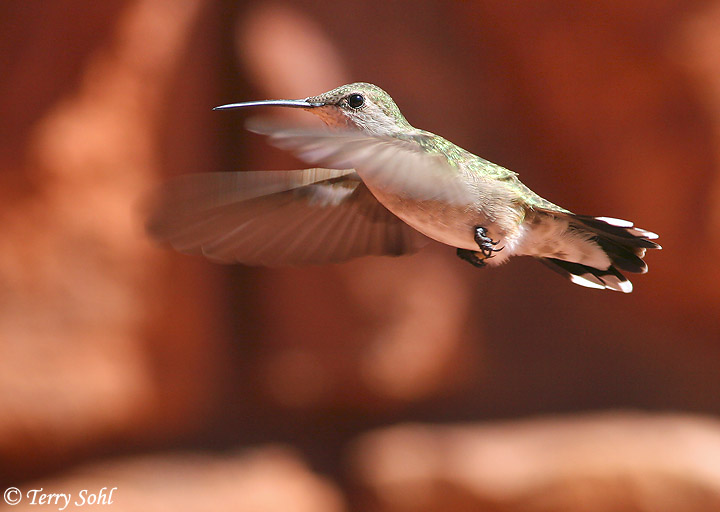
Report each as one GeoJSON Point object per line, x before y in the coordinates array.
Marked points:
{"type": "Point", "coordinates": [622, 231]}
{"type": "Point", "coordinates": [610, 279]}
{"type": "Point", "coordinates": [624, 243]}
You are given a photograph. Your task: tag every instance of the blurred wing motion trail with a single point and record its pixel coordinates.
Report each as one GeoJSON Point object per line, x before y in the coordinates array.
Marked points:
{"type": "Point", "coordinates": [309, 216]}
{"type": "Point", "coordinates": [400, 163]}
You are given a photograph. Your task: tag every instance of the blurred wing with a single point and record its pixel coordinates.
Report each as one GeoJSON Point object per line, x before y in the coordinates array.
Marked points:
{"type": "Point", "coordinates": [399, 166]}
{"type": "Point", "coordinates": [309, 216]}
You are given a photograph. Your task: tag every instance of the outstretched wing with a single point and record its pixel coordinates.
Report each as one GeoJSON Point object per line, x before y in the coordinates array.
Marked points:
{"type": "Point", "coordinates": [308, 216]}
{"type": "Point", "coordinates": [402, 166]}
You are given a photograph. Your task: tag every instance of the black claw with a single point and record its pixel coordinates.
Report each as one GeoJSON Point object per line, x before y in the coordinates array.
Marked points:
{"type": "Point", "coordinates": [485, 243]}
{"type": "Point", "coordinates": [486, 246]}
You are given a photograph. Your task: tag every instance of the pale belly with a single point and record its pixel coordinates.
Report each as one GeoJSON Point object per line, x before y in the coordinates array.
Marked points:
{"type": "Point", "coordinates": [450, 225]}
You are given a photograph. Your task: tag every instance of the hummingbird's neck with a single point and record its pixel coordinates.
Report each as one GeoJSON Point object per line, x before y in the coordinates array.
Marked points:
{"type": "Point", "coordinates": [384, 126]}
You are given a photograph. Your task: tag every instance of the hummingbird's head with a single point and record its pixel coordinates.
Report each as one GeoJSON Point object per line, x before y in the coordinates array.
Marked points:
{"type": "Point", "coordinates": [362, 106]}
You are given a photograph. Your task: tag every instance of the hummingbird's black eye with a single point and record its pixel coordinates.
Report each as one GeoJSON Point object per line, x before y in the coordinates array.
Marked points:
{"type": "Point", "coordinates": [356, 100]}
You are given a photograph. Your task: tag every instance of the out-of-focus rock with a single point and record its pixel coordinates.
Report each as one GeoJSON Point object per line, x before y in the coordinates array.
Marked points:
{"type": "Point", "coordinates": [271, 479]}
{"type": "Point", "coordinates": [599, 463]}
{"type": "Point", "coordinates": [697, 51]}
{"type": "Point", "coordinates": [83, 321]}
{"type": "Point", "coordinates": [393, 343]}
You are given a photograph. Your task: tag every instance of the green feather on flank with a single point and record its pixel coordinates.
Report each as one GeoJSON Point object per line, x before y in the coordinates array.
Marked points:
{"type": "Point", "coordinates": [457, 157]}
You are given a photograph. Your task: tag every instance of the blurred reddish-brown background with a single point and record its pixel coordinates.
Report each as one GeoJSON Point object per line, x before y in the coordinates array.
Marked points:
{"type": "Point", "coordinates": [417, 383]}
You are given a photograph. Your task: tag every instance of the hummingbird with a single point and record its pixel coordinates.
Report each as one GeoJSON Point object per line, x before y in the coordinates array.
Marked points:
{"type": "Point", "coordinates": [384, 187]}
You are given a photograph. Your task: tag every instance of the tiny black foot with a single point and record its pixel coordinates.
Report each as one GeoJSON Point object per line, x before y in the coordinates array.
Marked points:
{"type": "Point", "coordinates": [485, 243]}
{"type": "Point", "coordinates": [471, 257]}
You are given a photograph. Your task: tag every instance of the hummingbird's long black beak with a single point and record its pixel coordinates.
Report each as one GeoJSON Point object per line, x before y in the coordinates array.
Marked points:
{"type": "Point", "coordinates": [271, 103]}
